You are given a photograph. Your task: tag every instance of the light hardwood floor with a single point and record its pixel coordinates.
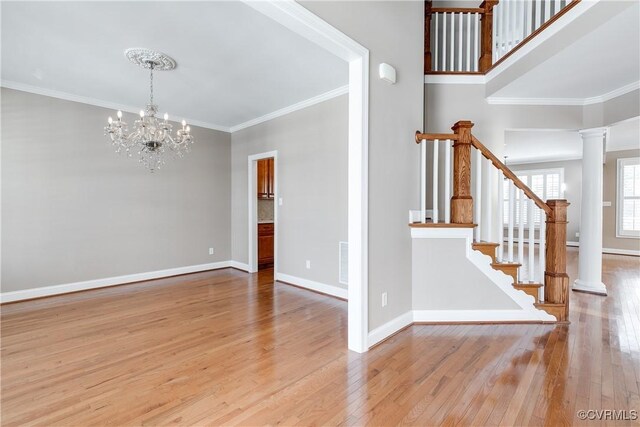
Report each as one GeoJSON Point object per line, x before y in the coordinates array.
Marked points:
{"type": "Point", "coordinates": [227, 348]}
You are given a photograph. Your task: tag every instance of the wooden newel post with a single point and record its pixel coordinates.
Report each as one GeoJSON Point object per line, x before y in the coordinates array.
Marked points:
{"type": "Point", "coordinates": [461, 202]}
{"type": "Point", "coordinates": [427, 36]}
{"type": "Point", "coordinates": [556, 279]}
{"type": "Point", "coordinates": [486, 36]}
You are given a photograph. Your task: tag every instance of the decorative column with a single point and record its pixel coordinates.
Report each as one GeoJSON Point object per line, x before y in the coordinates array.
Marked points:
{"type": "Point", "coordinates": [461, 202]}
{"type": "Point", "coordinates": [590, 255]}
{"type": "Point", "coordinates": [486, 36]}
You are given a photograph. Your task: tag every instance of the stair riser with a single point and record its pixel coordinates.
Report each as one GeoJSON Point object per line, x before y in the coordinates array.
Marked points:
{"type": "Point", "coordinates": [509, 271]}
{"type": "Point", "coordinates": [529, 291]}
{"type": "Point", "coordinates": [487, 250]}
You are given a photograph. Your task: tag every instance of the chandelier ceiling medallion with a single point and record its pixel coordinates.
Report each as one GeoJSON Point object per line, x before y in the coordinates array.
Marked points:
{"type": "Point", "coordinates": [151, 137]}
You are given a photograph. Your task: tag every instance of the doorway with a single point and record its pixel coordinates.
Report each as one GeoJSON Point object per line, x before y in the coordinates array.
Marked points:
{"type": "Point", "coordinates": [263, 211]}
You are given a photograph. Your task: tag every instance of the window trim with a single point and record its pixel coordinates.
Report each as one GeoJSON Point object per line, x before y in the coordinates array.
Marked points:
{"type": "Point", "coordinates": [544, 172]}
{"type": "Point", "coordinates": [620, 233]}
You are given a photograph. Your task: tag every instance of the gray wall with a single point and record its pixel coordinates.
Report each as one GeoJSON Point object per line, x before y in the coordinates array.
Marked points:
{"type": "Point", "coordinates": [609, 239]}
{"type": "Point", "coordinates": [74, 210]}
{"type": "Point", "coordinates": [312, 176]}
{"type": "Point", "coordinates": [573, 192]}
{"type": "Point", "coordinates": [393, 32]}
{"type": "Point", "coordinates": [445, 104]}
{"type": "Point", "coordinates": [467, 288]}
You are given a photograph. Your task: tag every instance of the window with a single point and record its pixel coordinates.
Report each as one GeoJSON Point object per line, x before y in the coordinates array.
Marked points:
{"type": "Point", "coordinates": [546, 183]}
{"type": "Point", "coordinates": [628, 203]}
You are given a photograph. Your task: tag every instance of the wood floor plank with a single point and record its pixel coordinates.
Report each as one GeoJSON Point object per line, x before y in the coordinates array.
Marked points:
{"type": "Point", "coordinates": [228, 348]}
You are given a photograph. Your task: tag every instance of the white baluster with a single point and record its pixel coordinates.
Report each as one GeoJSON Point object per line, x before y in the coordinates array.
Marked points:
{"type": "Point", "coordinates": [528, 16]}
{"type": "Point", "coordinates": [538, 13]}
{"type": "Point", "coordinates": [532, 242]}
{"type": "Point", "coordinates": [496, 36]}
{"type": "Point", "coordinates": [435, 181]}
{"type": "Point", "coordinates": [476, 35]}
{"type": "Point", "coordinates": [444, 41]}
{"type": "Point", "coordinates": [510, 222]}
{"type": "Point", "coordinates": [509, 25]}
{"type": "Point", "coordinates": [519, 21]}
{"type": "Point", "coordinates": [488, 219]}
{"type": "Point", "coordinates": [556, 9]}
{"type": "Point", "coordinates": [460, 37]}
{"type": "Point", "coordinates": [468, 15]}
{"type": "Point", "coordinates": [478, 201]}
{"type": "Point", "coordinates": [502, 25]}
{"type": "Point", "coordinates": [500, 216]}
{"type": "Point", "coordinates": [452, 58]}
{"type": "Point", "coordinates": [447, 181]}
{"type": "Point", "coordinates": [542, 248]}
{"type": "Point", "coordinates": [435, 47]}
{"type": "Point", "coordinates": [423, 181]}
{"type": "Point", "coordinates": [547, 10]}
{"type": "Point", "coordinates": [521, 220]}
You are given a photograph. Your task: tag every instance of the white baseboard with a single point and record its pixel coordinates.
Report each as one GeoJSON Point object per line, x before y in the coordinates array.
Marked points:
{"type": "Point", "coordinates": [239, 265]}
{"type": "Point", "coordinates": [480, 316]}
{"type": "Point", "coordinates": [614, 251]}
{"type": "Point", "coordinates": [314, 286]}
{"type": "Point", "coordinates": [109, 281]}
{"type": "Point", "coordinates": [391, 327]}
{"type": "Point", "coordinates": [450, 316]}
{"type": "Point", "coordinates": [620, 251]}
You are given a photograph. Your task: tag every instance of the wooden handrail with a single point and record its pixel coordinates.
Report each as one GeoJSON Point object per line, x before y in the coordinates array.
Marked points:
{"type": "Point", "coordinates": [457, 10]}
{"type": "Point", "coordinates": [434, 136]}
{"type": "Point", "coordinates": [509, 174]}
{"type": "Point", "coordinates": [531, 36]}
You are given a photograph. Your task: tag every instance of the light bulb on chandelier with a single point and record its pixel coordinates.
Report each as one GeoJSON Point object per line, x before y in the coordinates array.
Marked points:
{"type": "Point", "coordinates": [151, 138]}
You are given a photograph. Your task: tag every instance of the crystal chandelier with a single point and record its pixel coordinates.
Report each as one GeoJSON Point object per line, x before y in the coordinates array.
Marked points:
{"type": "Point", "coordinates": [151, 137]}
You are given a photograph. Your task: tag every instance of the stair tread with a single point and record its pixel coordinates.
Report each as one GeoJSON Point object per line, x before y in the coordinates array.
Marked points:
{"type": "Point", "coordinates": [528, 285]}
{"type": "Point", "coordinates": [495, 245]}
{"type": "Point", "coordinates": [440, 225]}
{"type": "Point", "coordinates": [505, 264]}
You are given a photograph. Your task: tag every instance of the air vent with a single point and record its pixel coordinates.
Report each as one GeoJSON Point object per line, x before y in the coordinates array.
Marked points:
{"type": "Point", "coordinates": [344, 263]}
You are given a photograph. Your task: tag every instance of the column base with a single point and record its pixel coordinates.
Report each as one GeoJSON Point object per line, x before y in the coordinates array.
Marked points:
{"type": "Point", "coordinates": [597, 288]}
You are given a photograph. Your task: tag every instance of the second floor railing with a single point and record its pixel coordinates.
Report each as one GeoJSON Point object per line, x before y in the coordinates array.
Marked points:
{"type": "Point", "coordinates": [473, 40]}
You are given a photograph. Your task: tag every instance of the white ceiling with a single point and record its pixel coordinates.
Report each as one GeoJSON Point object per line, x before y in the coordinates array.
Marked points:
{"type": "Point", "coordinates": [534, 146]}
{"type": "Point", "coordinates": [604, 60]}
{"type": "Point", "coordinates": [234, 64]}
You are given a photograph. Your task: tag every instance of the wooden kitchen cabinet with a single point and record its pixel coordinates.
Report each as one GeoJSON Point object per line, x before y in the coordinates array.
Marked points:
{"type": "Point", "coordinates": [265, 245]}
{"type": "Point", "coordinates": [266, 187]}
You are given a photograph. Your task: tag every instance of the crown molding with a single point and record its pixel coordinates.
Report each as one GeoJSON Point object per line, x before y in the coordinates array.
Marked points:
{"type": "Point", "coordinates": [134, 110]}
{"type": "Point", "coordinates": [455, 79]}
{"type": "Point", "coordinates": [548, 159]}
{"type": "Point", "coordinates": [291, 108]}
{"type": "Point", "coordinates": [96, 102]}
{"type": "Point", "coordinates": [496, 100]}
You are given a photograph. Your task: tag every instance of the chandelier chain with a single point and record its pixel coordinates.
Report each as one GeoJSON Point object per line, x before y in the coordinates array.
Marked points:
{"type": "Point", "coordinates": [151, 85]}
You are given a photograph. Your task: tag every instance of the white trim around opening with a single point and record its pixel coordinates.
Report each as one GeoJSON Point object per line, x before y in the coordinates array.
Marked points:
{"type": "Point", "coordinates": [304, 23]}
{"type": "Point", "coordinates": [252, 204]}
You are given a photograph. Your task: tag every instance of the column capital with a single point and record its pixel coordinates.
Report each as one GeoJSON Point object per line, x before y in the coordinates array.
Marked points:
{"type": "Point", "coordinates": [594, 132]}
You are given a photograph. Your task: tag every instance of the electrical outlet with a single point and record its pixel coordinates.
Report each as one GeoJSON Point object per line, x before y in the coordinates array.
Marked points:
{"type": "Point", "coordinates": [308, 264]}
{"type": "Point", "coordinates": [384, 299]}
{"type": "Point", "coordinates": [577, 234]}
{"type": "Point", "coordinates": [210, 251]}
{"type": "Point", "coordinates": [280, 201]}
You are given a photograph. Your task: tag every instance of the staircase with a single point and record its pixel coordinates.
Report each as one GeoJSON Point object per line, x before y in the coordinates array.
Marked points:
{"type": "Point", "coordinates": [499, 201]}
